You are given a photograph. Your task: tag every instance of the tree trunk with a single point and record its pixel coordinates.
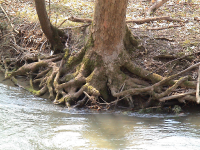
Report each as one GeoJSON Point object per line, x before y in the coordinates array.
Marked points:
{"type": "Point", "coordinates": [48, 29]}
{"type": "Point", "coordinates": [109, 27]}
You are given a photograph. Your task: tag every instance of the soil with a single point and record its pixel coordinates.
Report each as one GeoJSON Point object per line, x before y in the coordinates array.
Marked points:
{"type": "Point", "coordinates": [161, 46]}
{"type": "Point", "coordinates": [160, 49]}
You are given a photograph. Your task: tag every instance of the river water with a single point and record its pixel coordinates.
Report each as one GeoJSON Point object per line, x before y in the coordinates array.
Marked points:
{"type": "Point", "coordinates": [32, 123]}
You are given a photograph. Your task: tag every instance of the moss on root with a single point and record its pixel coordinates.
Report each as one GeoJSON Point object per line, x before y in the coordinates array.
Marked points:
{"type": "Point", "coordinates": [130, 41]}
{"type": "Point", "coordinates": [77, 59]}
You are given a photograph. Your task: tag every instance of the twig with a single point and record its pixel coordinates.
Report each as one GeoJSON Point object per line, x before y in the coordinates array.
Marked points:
{"type": "Point", "coordinates": [117, 100]}
{"type": "Point", "coordinates": [122, 88]}
{"type": "Point", "coordinates": [42, 45]}
{"type": "Point", "coordinates": [104, 101]}
{"type": "Point", "coordinates": [87, 95]}
{"type": "Point", "coordinates": [62, 23]}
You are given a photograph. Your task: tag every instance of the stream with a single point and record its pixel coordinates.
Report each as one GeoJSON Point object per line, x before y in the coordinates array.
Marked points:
{"type": "Point", "coordinates": [31, 123]}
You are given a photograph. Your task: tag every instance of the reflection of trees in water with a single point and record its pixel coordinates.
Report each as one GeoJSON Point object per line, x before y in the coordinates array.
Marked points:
{"type": "Point", "coordinates": [120, 132]}
{"type": "Point", "coordinates": [106, 131]}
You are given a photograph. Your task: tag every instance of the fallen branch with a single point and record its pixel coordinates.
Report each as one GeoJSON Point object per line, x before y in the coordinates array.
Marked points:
{"type": "Point", "coordinates": [86, 20]}
{"type": "Point", "coordinates": [137, 21]}
{"type": "Point", "coordinates": [147, 20]}
{"type": "Point", "coordinates": [162, 28]}
{"type": "Point", "coordinates": [155, 6]}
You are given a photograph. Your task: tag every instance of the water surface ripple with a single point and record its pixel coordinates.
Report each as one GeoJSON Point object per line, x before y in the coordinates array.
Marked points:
{"type": "Point", "coordinates": [32, 123]}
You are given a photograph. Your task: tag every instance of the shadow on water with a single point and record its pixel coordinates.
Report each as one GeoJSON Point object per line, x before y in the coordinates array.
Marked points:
{"type": "Point", "coordinates": [31, 123]}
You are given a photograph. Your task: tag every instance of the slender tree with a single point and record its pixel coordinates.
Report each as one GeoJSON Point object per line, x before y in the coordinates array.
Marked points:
{"type": "Point", "coordinates": [49, 30]}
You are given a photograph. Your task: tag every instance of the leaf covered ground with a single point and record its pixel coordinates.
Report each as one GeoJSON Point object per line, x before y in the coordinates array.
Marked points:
{"type": "Point", "coordinates": [174, 42]}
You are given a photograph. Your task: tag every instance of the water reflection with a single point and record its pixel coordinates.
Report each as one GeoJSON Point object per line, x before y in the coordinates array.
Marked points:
{"type": "Point", "coordinates": [31, 123]}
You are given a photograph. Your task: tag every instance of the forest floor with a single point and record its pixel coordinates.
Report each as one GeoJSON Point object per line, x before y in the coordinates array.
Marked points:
{"type": "Point", "coordinates": [168, 47]}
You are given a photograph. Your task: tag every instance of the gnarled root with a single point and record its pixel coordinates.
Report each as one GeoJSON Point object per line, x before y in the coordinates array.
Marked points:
{"type": "Point", "coordinates": [95, 83]}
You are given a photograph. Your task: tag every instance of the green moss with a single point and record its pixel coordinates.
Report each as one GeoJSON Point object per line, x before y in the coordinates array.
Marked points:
{"type": "Point", "coordinates": [66, 50]}
{"type": "Point", "coordinates": [91, 90]}
{"type": "Point", "coordinates": [69, 100]}
{"type": "Point", "coordinates": [137, 70]}
{"type": "Point", "coordinates": [186, 42]}
{"type": "Point", "coordinates": [90, 77]}
{"type": "Point", "coordinates": [89, 42]}
{"type": "Point", "coordinates": [79, 57]}
{"type": "Point", "coordinates": [92, 61]}
{"type": "Point", "coordinates": [89, 64]}
{"type": "Point", "coordinates": [69, 77]}
{"type": "Point", "coordinates": [176, 109]}
{"type": "Point", "coordinates": [130, 41]}
{"type": "Point", "coordinates": [73, 60]}
{"type": "Point", "coordinates": [189, 84]}
{"type": "Point", "coordinates": [35, 92]}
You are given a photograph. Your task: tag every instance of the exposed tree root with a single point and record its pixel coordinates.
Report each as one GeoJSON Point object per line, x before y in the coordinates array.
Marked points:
{"type": "Point", "coordinates": [86, 79]}
{"type": "Point", "coordinates": [96, 84]}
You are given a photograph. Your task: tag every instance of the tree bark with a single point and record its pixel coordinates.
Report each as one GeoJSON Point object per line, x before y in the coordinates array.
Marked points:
{"type": "Point", "coordinates": [49, 30]}
{"type": "Point", "coordinates": [109, 27]}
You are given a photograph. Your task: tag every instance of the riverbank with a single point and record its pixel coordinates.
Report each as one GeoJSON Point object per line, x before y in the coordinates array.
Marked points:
{"type": "Point", "coordinates": [166, 48]}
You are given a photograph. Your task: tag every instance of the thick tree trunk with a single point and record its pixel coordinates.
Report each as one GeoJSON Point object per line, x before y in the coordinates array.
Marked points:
{"type": "Point", "coordinates": [50, 31]}
{"type": "Point", "coordinates": [109, 27]}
